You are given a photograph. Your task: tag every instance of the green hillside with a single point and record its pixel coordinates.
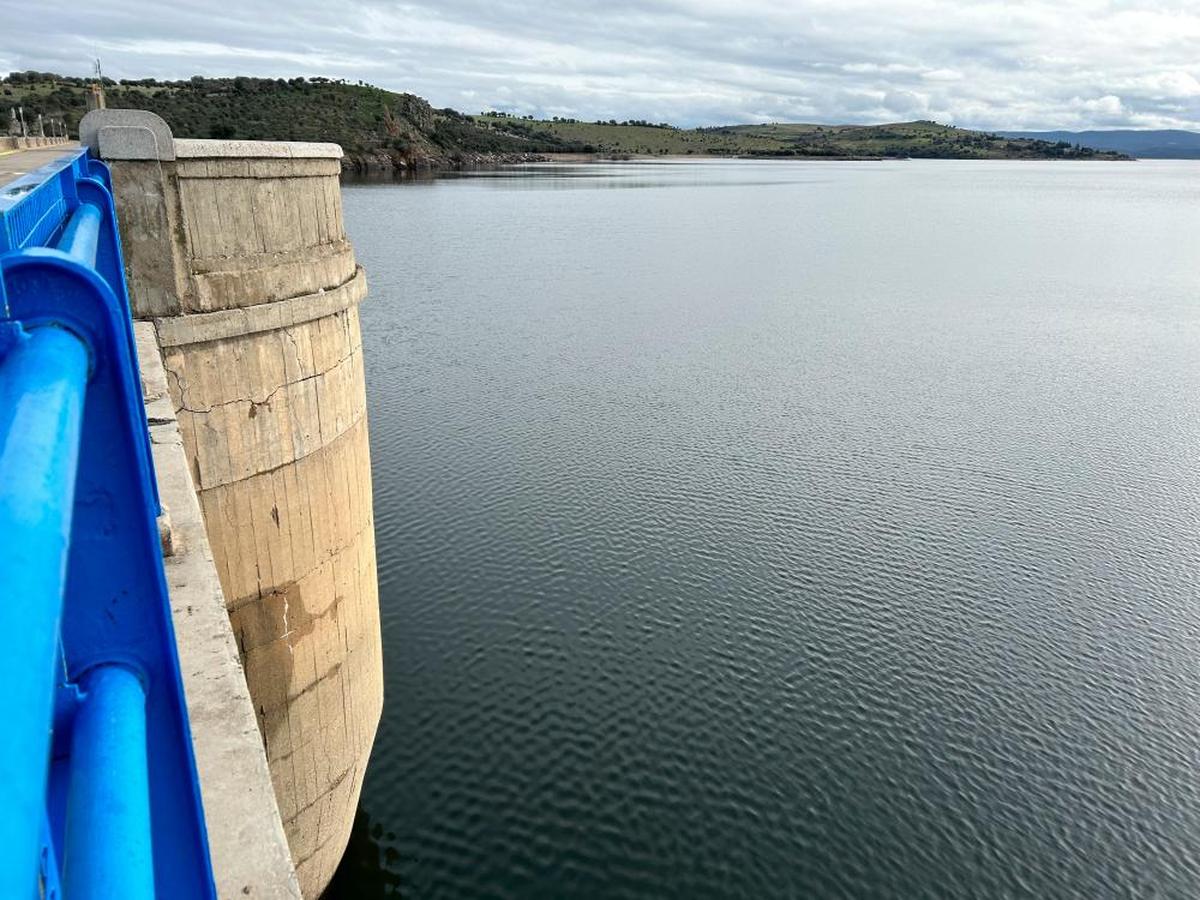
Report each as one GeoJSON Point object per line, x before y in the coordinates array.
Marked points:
{"type": "Point", "coordinates": [906, 139]}
{"type": "Point", "coordinates": [362, 119]}
{"type": "Point", "coordinates": [383, 129]}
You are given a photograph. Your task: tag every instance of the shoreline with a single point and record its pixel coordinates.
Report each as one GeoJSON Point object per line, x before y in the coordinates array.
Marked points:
{"type": "Point", "coordinates": [381, 167]}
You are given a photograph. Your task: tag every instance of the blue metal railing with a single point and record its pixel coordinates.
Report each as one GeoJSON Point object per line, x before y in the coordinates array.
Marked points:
{"type": "Point", "coordinates": [98, 789]}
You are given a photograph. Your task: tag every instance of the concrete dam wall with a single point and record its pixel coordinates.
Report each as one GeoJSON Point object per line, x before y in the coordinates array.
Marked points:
{"type": "Point", "coordinates": [236, 253]}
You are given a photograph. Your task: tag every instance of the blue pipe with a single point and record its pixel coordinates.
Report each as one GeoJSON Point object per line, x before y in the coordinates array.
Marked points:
{"type": "Point", "coordinates": [108, 852]}
{"type": "Point", "coordinates": [81, 238]}
{"type": "Point", "coordinates": [42, 383]}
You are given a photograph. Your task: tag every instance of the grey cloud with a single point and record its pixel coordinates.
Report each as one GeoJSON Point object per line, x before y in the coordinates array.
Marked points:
{"type": "Point", "coordinates": [983, 63]}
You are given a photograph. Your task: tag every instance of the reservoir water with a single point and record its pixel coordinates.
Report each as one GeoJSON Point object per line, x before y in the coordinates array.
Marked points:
{"type": "Point", "coordinates": [785, 529]}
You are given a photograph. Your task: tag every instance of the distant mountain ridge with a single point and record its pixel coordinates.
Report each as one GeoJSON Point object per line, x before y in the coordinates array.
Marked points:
{"type": "Point", "coordinates": [1162, 144]}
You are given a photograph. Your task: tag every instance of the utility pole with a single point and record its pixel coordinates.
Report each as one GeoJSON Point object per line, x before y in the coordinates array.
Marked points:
{"type": "Point", "coordinates": [96, 100]}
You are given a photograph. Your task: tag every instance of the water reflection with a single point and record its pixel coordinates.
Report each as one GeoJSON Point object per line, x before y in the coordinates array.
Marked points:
{"type": "Point", "coordinates": [608, 175]}
{"type": "Point", "coordinates": [369, 868]}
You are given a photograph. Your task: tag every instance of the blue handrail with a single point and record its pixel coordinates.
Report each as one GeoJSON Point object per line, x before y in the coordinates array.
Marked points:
{"type": "Point", "coordinates": [98, 790]}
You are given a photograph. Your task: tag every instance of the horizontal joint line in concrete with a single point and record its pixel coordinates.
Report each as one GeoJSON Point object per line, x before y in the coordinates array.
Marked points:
{"type": "Point", "coordinates": [241, 263]}
{"type": "Point", "coordinates": [357, 421]}
{"type": "Point", "coordinates": [199, 328]}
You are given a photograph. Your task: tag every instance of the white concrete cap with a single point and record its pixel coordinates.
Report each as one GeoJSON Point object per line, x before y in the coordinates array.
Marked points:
{"type": "Point", "coordinates": [132, 134]}
{"type": "Point", "coordinates": [189, 148]}
{"type": "Point", "coordinates": [127, 142]}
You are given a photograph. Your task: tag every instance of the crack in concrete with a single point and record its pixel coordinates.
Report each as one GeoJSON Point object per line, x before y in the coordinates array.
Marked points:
{"type": "Point", "coordinates": [201, 411]}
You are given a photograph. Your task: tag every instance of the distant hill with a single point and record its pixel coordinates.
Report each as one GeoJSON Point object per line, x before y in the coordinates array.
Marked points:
{"type": "Point", "coordinates": [1165, 144]}
{"type": "Point", "coordinates": [381, 129]}
{"type": "Point", "coordinates": [376, 128]}
{"type": "Point", "coordinates": [903, 139]}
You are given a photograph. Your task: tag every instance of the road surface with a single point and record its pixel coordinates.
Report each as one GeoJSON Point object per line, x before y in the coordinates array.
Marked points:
{"type": "Point", "coordinates": [14, 164]}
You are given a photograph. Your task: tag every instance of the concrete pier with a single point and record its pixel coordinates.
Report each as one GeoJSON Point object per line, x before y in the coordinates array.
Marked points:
{"type": "Point", "coordinates": [236, 254]}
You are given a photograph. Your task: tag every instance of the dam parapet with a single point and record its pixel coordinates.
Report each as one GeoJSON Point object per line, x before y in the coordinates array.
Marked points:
{"type": "Point", "coordinates": [247, 290]}
{"type": "Point", "coordinates": [34, 142]}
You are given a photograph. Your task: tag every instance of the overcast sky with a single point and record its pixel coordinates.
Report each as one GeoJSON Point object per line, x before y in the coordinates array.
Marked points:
{"type": "Point", "coordinates": [1037, 64]}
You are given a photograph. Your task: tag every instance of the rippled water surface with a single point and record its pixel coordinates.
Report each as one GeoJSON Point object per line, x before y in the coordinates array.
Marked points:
{"type": "Point", "coordinates": [772, 529]}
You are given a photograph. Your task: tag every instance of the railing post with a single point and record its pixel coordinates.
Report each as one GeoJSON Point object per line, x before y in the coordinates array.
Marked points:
{"type": "Point", "coordinates": [94, 739]}
{"type": "Point", "coordinates": [42, 381]}
{"type": "Point", "coordinates": [108, 848]}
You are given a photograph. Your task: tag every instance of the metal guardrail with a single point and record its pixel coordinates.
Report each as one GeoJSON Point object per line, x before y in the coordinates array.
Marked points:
{"type": "Point", "coordinates": [98, 790]}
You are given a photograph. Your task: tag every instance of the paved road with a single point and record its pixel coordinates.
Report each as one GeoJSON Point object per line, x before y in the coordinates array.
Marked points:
{"type": "Point", "coordinates": [15, 164]}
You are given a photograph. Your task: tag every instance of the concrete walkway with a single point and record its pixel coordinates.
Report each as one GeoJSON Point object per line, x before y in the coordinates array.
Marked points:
{"type": "Point", "coordinates": [15, 163]}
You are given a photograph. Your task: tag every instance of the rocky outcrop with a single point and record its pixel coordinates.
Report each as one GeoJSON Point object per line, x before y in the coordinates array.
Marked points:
{"type": "Point", "coordinates": [394, 162]}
